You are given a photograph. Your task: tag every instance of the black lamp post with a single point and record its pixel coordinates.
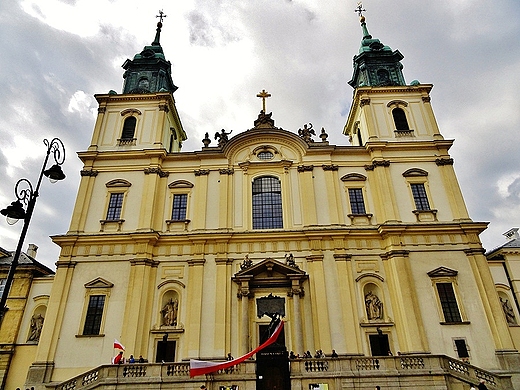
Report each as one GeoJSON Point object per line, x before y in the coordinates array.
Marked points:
{"type": "Point", "coordinates": [26, 195]}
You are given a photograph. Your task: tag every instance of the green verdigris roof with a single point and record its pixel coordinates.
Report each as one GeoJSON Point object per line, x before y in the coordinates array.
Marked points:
{"type": "Point", "coordinates": [149, 71]}
{"type": "Point", "coordinates": [376, 64]}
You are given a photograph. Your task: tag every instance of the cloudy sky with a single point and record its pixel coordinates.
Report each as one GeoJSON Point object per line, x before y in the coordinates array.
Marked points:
{"type": "Point", "coordinates": [56, 54]}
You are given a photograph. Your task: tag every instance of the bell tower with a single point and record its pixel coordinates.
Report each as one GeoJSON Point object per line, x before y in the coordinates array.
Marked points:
{"type": "Point", "coordinates": [144, 116]}
{"type": "Point", "coordinates": [384, 107]}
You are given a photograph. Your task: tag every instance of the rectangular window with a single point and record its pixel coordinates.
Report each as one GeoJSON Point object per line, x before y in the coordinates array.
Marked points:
{"type": "Point", "coordinates": [450, 309]}
{"type": "Point", "coordinates": [419, 196]}
{"type": "Point", "coordinates": [94, 315]}
{"type": "Point", "coordinates": [462, 348]}
{"type": "Point", "coordinates": [357, 204]}
{"type": "Point", "coordinates": [267, 203]}
{"type": "Point", "coordinates": [180, 202]}
{"type": "Point", "coordinates": [114, 206]}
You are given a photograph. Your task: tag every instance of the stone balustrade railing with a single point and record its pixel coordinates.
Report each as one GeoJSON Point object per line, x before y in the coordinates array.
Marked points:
{"type": "Point", "coordinates": [324, 370]}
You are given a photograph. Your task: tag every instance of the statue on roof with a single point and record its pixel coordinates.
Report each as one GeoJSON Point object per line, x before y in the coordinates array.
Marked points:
{"type": "Point", "coordinates": [307, 132]}
{"type": "Point", "coordinates": [222, 137]}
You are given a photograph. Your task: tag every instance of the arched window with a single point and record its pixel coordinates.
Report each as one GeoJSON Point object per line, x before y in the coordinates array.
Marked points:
{"type": "Point", "coordinates": [267, 203]}
{"type": "Point", "coordinates": [129, 128]}
{"type": "Point", "coordinates": [400, 119]}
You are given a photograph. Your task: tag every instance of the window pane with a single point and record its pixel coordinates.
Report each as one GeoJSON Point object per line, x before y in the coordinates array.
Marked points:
{"type": "Point", "coordinates": [357, 204]}
{"type": "Point", "coordinates": [94, 315]}
{"type": "Point", "coordinates": [180, 202]}
{"type": "Point", "coordinates": [420, 197]}
{"type": "Point", "coordinates": [267, 203]}
{"type": "Point", "coordinates": [114, 206]}
{"type": "Point", "coordinates": [129, 128]}
{"type": "Point", "coordinates": [449, 305]}
{"type": "Point", "coordinates": [462, 349]}
{"type": "Point", "coordinates": [400, 119]}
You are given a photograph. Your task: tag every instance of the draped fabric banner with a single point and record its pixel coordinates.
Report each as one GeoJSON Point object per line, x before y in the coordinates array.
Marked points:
{"type": "Point", "coordinates": [201, 367]}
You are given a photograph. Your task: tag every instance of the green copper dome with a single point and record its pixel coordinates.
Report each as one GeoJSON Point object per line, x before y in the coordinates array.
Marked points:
{"type": "Point", "coordinates": [149, 71]}
{"type": "Point", "coordinates": [376, 64]}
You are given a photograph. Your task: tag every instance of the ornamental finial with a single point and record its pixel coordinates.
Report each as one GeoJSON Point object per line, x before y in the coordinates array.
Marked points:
{"type": "Point", "coordinates": [161, 16]}
{"type": "Point", "coordinates": [359, 10]}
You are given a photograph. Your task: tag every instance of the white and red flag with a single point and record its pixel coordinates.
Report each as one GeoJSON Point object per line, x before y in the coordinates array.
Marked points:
{"type": "Point", "coordinates": [118, 345]}
{"type": "Point", "coordinates": [201, 367]}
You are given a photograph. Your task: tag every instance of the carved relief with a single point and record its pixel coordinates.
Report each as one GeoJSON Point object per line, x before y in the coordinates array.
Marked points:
{"type": "Point", "coordinates": [201, 172]}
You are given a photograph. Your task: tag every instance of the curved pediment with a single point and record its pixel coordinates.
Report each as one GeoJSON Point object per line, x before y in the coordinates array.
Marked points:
{"type": "Point", "coordinates": [284, 146]}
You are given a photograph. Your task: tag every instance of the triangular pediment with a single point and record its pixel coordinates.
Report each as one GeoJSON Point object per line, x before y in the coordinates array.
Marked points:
{"type": "Point", "coordinates": [269, 268]}
{"type": "Point", "coordinates": [270, 273]}
{"type": "Point", "coordinates": [99, 283]}
{"type": "Point", "coordinates": [442, 272]}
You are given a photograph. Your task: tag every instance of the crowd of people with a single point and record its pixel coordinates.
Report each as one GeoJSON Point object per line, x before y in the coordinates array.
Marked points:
{"type": "Point", "coordinates": [120, 359]}
{"type": "Point", "coordinates": [308, 355]}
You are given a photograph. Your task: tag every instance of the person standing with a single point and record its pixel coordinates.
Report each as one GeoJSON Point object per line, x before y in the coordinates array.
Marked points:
{"type": "Point", "coordinates": [482, 385]}
{"type": "Point", "coordinates": [119, 358]}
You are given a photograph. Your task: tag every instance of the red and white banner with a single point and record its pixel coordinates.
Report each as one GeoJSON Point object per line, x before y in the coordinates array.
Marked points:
{"type": "Point", "coordinates": [118, 345]}
{"type": "Point", "coordinates": [201, 367]}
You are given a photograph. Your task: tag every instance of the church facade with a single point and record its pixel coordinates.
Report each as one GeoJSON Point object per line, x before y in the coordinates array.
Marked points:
{"type": "Point", "coordinates": [368, 245]}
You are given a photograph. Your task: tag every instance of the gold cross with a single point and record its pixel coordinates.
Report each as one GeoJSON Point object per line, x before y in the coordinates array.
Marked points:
{"type": "Point", "coordinates": [263, 95]}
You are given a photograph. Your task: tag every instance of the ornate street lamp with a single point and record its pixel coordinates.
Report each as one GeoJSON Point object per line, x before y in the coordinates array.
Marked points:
{"type": "Point", "coordinates": [26, 195]}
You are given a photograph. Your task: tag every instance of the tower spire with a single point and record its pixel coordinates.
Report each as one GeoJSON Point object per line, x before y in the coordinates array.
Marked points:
{"type": "Point", "coordinates": [376, 64]}
{"type": "Point", "coordinates": [149, 71]}
{"type": "Point", "coordinates": [161, 16]}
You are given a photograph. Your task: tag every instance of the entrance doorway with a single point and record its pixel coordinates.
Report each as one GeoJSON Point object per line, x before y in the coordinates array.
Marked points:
{"type": "Point", "coordinates": [379, 345]}
{"type": "Point", "coordinates": [272, 363]}
{"type": "Point", "coordinates": [165, 351]}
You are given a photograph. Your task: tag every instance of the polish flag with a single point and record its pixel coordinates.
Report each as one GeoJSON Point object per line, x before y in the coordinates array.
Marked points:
{"type": "Point", "coordinates": [201, 367]}
{"type": "Point", "coordinates": [118, 345]}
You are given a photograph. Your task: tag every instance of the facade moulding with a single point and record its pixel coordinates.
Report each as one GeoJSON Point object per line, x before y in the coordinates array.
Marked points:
{"type": "Point", "coordinates": [377, 163]}
{"type": "Point", "coordinates": [89, 172]}
{"type": "Point", "coordinates": [444, 161]}
{"type": "Point", "coordinates": [226, 171]}
{"type": "Point", "coordinates": [394, 253]}
{"type": "Point", "coordinates": [148, 262]}
{"type": "Point", "coordinates": [305, 168]}
{"type": "Point", "coordinates": [157, 170]}
{"type": "Point", "coordinates": [330, 167]}
{"type": "Point", "coordinates": [201, 172]}
{"type": "Point", "coordinates": [130, 111]}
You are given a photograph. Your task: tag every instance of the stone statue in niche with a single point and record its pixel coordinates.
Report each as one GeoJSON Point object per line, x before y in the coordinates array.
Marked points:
{"type": "Point", "coordinates": [508, 311]}
{"type": "Point", "coordinates": [374, 306]}
{"type": "Point", "coordinates": [169, 312]}
{"type": "Point", "coordinates": [36, 328]}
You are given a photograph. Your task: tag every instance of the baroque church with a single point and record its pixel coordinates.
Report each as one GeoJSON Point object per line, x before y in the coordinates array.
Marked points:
{"type": "Point", "coordinates": [367, 248]}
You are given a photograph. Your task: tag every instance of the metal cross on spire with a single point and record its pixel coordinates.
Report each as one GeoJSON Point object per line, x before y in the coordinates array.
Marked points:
{"type": "Point", "coordinates": [263, 95]}
{"type": "Point", "coordinates": [360, 9]}
{"type": "Point", "coordinates": [161, 16]}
